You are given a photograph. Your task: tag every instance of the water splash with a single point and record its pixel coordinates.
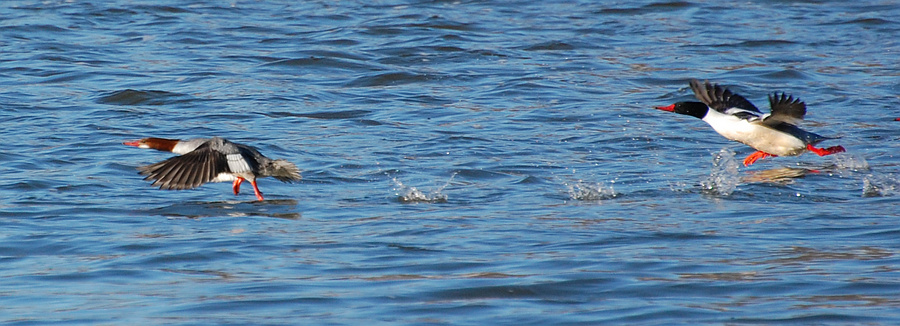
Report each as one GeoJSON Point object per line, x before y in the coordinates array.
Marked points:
{"type": "Point", "coordinates": [591, 191]}
{"type": "Point", "coordinates": [852, 162]}
{"type": "Point", "coordinates": [410, 194]}
{"type": "Point", "coordinates": [680, 186]}
{"type": "Point", "coordinates": [880, 185]}
{"type": "Point", "coordinates": [723, 177]}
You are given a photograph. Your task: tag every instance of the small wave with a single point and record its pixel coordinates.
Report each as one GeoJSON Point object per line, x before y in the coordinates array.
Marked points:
{"type": "Point", "coordinates": [410, 194]}
{"type": "Point", "coordinates": [880, 185]}
{"type": "Point", "coordinates": [550, 46]}
{"type": "Point", "coordinates": [868, 21]}
{"type": "Point", "coordinates": [326, 115]}
{"type": "Point", "coordinates": [137, 97]}
{"type": "Point", "coordinates": [591, 191]}
{"type": "Point", "coordinates": [390, 79]}
{"type": "Point", "coordinates": [320, 62]}
{"type": "Point", "coordinates": [723, 177]}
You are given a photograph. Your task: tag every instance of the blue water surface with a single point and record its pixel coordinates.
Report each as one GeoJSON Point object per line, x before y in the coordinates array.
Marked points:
{"type": "Point", "coordinates": [464, 163]}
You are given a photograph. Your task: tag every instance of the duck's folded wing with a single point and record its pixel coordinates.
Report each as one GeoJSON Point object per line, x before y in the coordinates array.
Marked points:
{"type": "Point", "coordinates": [750, 116]}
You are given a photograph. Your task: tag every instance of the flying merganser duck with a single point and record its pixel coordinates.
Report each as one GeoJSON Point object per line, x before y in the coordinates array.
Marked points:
{"type": "Point", "coordinates": [735, 118]}
{"type": "Point", "coordinates": [214, 159]}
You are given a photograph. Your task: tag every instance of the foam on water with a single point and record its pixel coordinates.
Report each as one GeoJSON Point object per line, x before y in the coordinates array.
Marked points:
{"type": "Point", "coordinates": [723, 177]}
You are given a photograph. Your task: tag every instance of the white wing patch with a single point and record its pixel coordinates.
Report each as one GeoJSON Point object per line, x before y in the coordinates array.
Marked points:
{"type": "Point", "coordinates": [224, 177]}
{"type": "Point", "coordinates": [746, 114]}
{"type": "Point", "coordinates": [237, 163]}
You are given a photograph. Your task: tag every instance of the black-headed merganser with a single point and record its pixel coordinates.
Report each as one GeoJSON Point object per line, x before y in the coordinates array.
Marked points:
{"type": "Point", "coordinates": [735, 118]}
{"type": "Point", "coordinates": [203, 160]}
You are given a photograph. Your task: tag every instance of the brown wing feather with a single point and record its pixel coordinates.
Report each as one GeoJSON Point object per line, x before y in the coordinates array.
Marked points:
{"type": "Point", "coordinates": [187, 171]}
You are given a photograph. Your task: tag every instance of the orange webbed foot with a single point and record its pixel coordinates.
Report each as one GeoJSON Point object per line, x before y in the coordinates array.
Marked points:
{"type": "Point", "coordinates": [236, 186]}
{"type": "Point", "coordinates": [755, 156]}
{"type": "Point", "coordinates": [256, 191]}
{"type": "Point", "coordinates": [826, 151]}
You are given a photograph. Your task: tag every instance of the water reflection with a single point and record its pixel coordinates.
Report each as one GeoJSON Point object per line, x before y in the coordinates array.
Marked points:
{"type": "Point", "coordinates": [779, 176]}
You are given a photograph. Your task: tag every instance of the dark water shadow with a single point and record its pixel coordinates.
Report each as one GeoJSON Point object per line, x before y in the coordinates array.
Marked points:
{"type": "Point", "coordinates": [276, 208]}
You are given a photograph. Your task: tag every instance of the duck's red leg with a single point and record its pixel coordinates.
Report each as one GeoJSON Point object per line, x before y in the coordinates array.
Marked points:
{"type": "Point", "coordinates": [236, 186]}
{"type": "Point", "coordinates": [256, 190]}
{"type": "Point", "coordinates": [825, 151]}
{"type": "Point", "coordinates": [755, 156]}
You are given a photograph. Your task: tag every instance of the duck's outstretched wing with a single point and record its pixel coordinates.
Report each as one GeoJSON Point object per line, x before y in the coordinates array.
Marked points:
{"type": "Point", "coordinates": [785, 108]}
{"type": "Point", "coordinates": [719, 98]}
{"type": "Point", "coordinates": [187, 171]}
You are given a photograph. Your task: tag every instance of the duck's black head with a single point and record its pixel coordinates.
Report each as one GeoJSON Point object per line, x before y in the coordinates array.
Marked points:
{"type": "Point", "coordinates": [696, 109]}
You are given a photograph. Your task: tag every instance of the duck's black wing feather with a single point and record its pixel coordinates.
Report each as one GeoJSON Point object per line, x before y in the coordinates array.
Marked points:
{"type": "Point", "coordinates": [786, 109]}
{"type": "Point", "coordinates": [719, 98]}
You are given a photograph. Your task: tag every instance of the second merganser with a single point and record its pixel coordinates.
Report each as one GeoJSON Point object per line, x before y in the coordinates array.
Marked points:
{"type": "Point", "coordinates": [735, 118]}
{"type": "Point", "coordinates": [214, 159]}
